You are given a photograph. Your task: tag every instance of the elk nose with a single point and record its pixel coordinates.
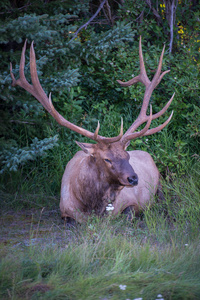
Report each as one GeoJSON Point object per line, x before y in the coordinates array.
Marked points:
{"type": "Point", "coordinates": [133, 180]}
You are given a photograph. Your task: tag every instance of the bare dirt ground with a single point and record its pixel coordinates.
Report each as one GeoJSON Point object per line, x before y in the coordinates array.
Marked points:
{"type": "Point", "coordinates": [32, 226]}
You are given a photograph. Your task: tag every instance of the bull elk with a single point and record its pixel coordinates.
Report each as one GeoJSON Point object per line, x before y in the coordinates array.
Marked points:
{"type": "Point", "coordinates": [105, 172]}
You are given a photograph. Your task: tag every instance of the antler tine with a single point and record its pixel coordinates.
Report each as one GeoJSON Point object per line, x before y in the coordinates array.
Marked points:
{"type": "Point", "coordinates": [157, 77]}
{"type": "Point", "coordinates": [22, 80]}
{"type": "Point", "coordinates": [164, 109]}
{"type": "Point", "coordinates": [158, 71]}
{"type": "Point", "coordinates": [107, 140]}
{"type": "Point", "coordinates": [142, 132]}
{"type": "Point", "coordinates": [158, 128]}
{"type": "Point", "coordinates": [41, 96]}
{"type": "Point", "coordinates": [22, 63]}
{"type": "Point", "coordinates": [142, 77]}
{"type": "Point", "coordinates": [149, 87]}
{"type": "Point", "coordinates": [143, 74]}
{"type": "Point", "coordinates": [96, 131]}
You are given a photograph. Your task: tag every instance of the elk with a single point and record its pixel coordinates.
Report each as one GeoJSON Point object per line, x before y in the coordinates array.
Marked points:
{"type": "Point", "coordinates": [104, 172]}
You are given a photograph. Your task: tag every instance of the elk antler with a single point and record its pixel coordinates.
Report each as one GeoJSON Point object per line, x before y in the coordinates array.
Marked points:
{"type": "Point", "coordinates": [37, 91]}
{"type": "Point", "coordinates": [149, 87]}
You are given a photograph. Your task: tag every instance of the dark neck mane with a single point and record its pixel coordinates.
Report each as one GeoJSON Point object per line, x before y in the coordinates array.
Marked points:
{"type": "Point", "coordinates": [95, 191]}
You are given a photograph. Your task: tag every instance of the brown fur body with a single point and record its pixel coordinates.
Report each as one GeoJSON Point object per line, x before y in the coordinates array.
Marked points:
{"type": "Point", "coordinates": [86, 188]}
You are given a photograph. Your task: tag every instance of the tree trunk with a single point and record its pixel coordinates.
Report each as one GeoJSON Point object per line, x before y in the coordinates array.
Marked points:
{"type": "Point", "coordinates": [171, 6]}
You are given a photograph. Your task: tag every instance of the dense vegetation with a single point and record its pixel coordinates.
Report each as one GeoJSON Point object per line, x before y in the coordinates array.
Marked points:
{"type": "Point", "coordinates": [154, 257]}
{"type": "Point", "coordinates": [81, 72]}
{"type": "Point", "coordinates": [80, 65]}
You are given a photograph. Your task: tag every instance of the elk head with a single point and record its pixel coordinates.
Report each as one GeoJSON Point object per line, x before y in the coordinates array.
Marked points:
{"type": "Point", "coordinates": [109, 152]}
{"type": "Point", "coordinates": [112, 161]}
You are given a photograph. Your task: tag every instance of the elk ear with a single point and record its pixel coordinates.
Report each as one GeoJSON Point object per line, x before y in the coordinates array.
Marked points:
{"type": "Point", "coordinates": [87, 148]}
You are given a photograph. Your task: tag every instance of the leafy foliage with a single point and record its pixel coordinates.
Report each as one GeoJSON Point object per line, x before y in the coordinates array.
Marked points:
{"type": "Point", "coordinates": [81, 74]}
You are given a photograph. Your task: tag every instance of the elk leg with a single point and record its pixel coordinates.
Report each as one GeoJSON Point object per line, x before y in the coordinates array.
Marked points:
{"type": "Point", "coordinates": [69, 222]}
{"type": "Point", "coordinates": [131, 212]}
{"type": "Point", "coordinates": [159, 193]}
{"type": "Point", "coordinates": [77, 216]}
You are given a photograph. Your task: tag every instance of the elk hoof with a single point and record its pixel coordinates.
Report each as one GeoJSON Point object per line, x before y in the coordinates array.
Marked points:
{"type": "Point", "coordinates": [129, 213]}
{"type": "Point", "coordinates": [69, 222]}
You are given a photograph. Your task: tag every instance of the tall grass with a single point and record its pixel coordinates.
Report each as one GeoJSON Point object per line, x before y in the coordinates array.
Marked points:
{"type": "Point", "coordinates": [95, 268]}
{"type": "Point", "coordinates": [157, 254]}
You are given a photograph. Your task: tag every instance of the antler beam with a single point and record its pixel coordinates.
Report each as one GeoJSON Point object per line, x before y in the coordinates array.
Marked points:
{"type": "Point", "coordinates": [37, 91]}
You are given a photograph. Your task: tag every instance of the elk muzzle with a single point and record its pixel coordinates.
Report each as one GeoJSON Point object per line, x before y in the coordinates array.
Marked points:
{"type": "Point", "coordinates": [133, 180]}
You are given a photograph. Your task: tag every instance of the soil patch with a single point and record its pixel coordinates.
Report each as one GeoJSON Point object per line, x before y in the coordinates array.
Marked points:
{"type": "Point", "coordinates": [29, 227]}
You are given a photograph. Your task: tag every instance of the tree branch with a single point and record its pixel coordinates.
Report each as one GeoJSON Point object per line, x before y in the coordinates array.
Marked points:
{"type": "Point", "coordinates": [155, 12]}
{"type": "Point", "coordinates": [90, 20]}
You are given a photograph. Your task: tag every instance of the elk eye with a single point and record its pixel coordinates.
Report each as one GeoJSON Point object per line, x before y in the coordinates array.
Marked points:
{"type": "Point", "coordinates": [107, 160]}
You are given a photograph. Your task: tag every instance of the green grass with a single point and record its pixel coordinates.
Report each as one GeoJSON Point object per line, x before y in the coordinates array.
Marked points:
{"type": "Point", "coordinates": [159, 253]}
{"type": "Point", "coordinates": [97, 263]}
